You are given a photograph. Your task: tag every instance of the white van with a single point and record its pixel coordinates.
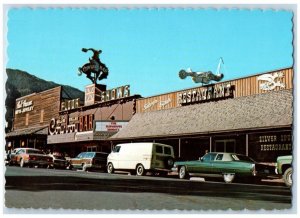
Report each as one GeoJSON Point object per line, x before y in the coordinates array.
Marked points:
{"type": "Point", "coordinates": [140, 158]}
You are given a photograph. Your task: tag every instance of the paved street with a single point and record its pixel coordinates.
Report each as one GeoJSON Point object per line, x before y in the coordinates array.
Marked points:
{"type": "Point", "coordinates": [45, 188]}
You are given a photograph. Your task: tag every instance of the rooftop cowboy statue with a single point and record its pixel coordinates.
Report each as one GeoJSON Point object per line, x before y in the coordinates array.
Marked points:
{"type": "Point", "coordinates": [203, 77]}
{"type": "Point", "coordinates": [94, 66]}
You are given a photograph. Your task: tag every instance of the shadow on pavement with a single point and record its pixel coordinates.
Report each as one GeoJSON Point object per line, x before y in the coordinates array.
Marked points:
{"type": "Point", "coordinates": [180, 187]}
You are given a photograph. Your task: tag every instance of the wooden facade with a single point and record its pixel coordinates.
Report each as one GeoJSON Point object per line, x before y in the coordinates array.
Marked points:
{"type": "Point", "coordinates": [36, 110]}
{"type": "Point", "coordinates": [78, 130]}
{"type": "Point", "coordinates": [251, 85]}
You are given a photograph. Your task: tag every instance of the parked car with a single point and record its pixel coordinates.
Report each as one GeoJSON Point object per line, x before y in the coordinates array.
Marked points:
{"type": "Point", "coordinates": [30, 157]}
{"type": "Point", "coordinates": [141, 157]}
{"type": "Point", "coordinates": [89, 160]}
{"type": "Point", "coordinates": [226, 165]}
{"type": "Point", "coordinates": [10, 155]}
{"type": "Point", "coordinates": [284, 168]}
{"type": "Point", "coordinates": [59, 161]}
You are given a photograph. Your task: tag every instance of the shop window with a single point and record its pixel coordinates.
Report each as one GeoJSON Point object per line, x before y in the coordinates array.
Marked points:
{"type": "Point", "coordinates": [92, 148]}
{"type": "Point", "coordinates": [228, 145]}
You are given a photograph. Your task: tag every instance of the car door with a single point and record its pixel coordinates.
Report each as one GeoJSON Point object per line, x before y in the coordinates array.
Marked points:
{"type": "Point", "coordinates": [114, 156]}
{"type": "Point", "coordinates": [218, 164]}
{"type": "Point", "coordinates": [223, 164]}
{"type": "Point", "coordinates": [76, 162]}
{"type": "Point", "coordinates": [87, 158]}
{"type": "Point", "coordinates": [204, 165]}
{"type": "Point", "coordinates": [19, 155]}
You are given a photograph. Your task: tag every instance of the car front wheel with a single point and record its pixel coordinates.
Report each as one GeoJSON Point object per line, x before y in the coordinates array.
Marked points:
{"type": "Point", "coordinates": [110, 168]}
{"type": "Point", "coordinates": [183, 174]}
{"type": "Point", "coordinates": [287, 177]}
{"type": "Point", "coordinates": [228, 177]}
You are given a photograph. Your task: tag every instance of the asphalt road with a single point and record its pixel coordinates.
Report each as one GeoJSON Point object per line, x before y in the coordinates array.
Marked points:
{"type": "Point", "coordinates": [46, 188]}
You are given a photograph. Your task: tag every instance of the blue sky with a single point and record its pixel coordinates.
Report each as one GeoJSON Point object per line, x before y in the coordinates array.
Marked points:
{"type": "Point", "coordinates": [147, 48]}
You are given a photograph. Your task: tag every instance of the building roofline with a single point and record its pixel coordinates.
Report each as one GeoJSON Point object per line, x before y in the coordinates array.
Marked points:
{"type": "Point", "coordinates": [225, 81]}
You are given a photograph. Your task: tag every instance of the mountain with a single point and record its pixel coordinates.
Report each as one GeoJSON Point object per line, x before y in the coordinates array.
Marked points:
{"type": "Point", "coordinates": [20, 83]}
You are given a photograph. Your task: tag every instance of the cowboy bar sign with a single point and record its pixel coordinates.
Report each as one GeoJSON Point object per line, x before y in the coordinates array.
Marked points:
{"type": "Point", "coordinates": [204, 94]}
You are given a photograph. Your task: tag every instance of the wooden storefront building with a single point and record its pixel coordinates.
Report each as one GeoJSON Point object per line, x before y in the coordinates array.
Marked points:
{"type": "Point", "coordinates": [88, 127]}
{"type": "Point", "coordinates": [251, 115]}
{"type": "Point", "coordinates": [32, 115]}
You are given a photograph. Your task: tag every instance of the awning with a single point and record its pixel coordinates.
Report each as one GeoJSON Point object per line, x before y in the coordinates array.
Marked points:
{"type": "Point", "coordinates": [268, 110]}
{"type": "Point", "coordinates": [79, 137]}
{"type": "Point", "coordinates": [29, 131]}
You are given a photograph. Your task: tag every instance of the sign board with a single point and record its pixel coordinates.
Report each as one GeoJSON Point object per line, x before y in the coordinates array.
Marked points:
{"type": "Point", "coordinates": [110, 126]}
{"type": "Point", "coordinates": [204, 94]}
{"type": "Point", "coordinates": [65, 124]}
{"type": "Point", "coordinates": [270, 81]}
{"type": "Point", "coordinates": [95, 95]}
{"type": "Point", "coordinates": [70, 104]}
{"type": "Point", "coordinates": [23, 106]}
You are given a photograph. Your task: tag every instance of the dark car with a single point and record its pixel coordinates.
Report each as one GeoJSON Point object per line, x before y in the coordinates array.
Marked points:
{"type": "Point", "coordinates": [226, 165]}
{"type": "Point", "coordinates": [59, 161]}
{"type": "Point", "coordinates": [89, 160]}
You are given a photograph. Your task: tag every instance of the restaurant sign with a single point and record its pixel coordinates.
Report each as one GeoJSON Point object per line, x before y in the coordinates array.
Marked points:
{"type": "Point", "coordinates": [204, 94]}
{"type": "Point", "coordinates": [23, 106]}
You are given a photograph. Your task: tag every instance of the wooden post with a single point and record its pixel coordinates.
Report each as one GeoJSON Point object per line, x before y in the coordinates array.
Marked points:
{"type": "Point", "coordinates": [247, 145]}
{"type": "Point", "coordinates": [179, 147]}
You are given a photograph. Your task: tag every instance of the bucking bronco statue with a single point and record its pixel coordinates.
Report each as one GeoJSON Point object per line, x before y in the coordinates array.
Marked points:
{"type": "Point", "coordinates": [95, 66]}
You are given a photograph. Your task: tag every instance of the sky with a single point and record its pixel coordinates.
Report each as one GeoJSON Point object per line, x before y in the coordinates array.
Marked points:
{"type": "Point", "coordinates": [145, 48]}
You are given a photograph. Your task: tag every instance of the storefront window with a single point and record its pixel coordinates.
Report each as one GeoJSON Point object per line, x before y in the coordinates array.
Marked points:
{"type": "Point", "coordinates": [227, 145]}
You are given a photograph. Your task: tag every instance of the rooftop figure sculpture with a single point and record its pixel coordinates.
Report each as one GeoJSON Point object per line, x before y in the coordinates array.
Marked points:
{"type": "Point", "coordinates": [94, 66]}
{"type": "Point", "coordinates": [202, 77]}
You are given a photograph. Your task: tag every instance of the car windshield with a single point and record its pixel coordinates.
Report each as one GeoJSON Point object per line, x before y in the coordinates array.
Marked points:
{"type": "Point", "coordinates": [242, 158]}
{"type": "Point", "coordinates": [80, 155]}
{"type": "Point", "coordinates": [34, 152]}
{"type": "Point", "coordinates": [209, 157]}
{"type": "Point", "coordinates": [117, 149]}
{"type": "Point", "coordinates": [89, 155]}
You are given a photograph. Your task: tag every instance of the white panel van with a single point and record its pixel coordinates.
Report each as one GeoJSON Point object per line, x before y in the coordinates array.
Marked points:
{"type": "Point", "coordinates": [141, 157]}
